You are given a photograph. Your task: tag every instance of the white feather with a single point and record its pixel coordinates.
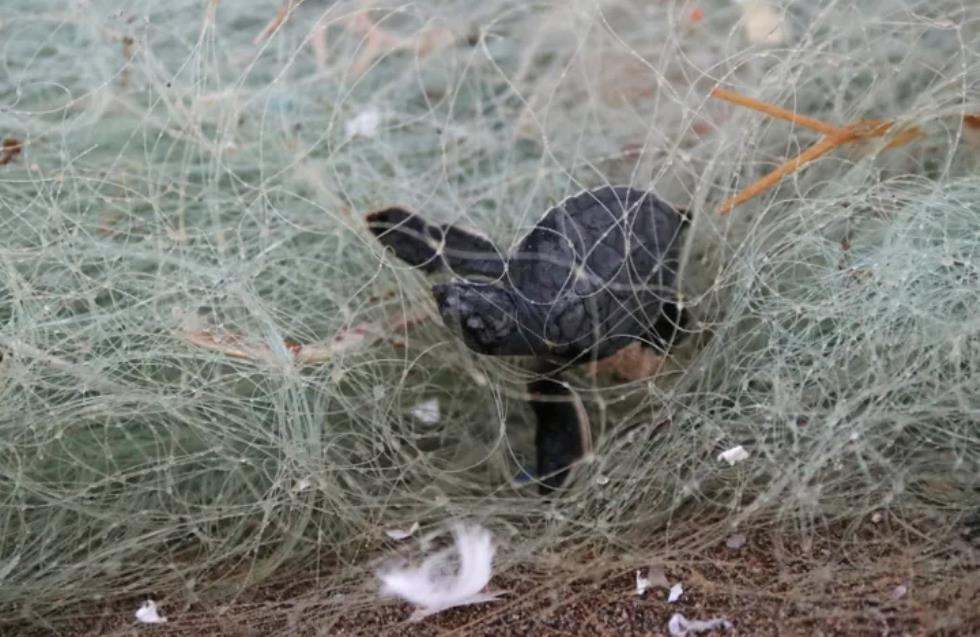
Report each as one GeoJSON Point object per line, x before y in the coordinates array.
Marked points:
{"type": "Point", "coordinates": [764, 22]}
{"type": "Point", "coordinates": [403, 534]}
{"type": "Point", "coordinates": [427, 412]}
{"type": "Point", "coordinates": [364, 124]}
{"type": "Point", "coordinates": [642, 584]}
{"type": "Point", "coordinates": [432, 586]}
{"type": "Point", "coordinates": [148, 613]}
{"type": "Point", "coordinates": [680, 626]}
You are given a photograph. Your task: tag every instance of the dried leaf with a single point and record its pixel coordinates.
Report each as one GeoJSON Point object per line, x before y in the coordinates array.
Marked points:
{"type": "Point", "coordinates": [9, 149]}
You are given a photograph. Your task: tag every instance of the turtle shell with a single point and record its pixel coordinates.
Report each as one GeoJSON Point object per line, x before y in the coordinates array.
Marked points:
{"type": "Point", "coordinates": [598, 269]}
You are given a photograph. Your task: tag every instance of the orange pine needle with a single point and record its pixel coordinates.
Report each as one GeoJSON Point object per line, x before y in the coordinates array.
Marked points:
{"type": "Point", "coordinates": [904, 137]}
{"type": "Point", "coordinates": [821, 148]}
{"type": "Point", "coordinates": [834, 137]}
{"type": "Point", "coordinates": [275, 23]}
{"type": "Point", "coordinates": [775, 111]}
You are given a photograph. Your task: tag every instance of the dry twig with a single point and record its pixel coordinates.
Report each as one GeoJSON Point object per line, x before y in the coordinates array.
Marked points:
{"type": "Point", "coordinates": [376, 41]}
{"type": "Point", "coordinates": [355, 338]}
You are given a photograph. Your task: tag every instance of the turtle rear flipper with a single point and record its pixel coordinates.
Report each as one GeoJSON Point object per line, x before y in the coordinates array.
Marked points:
{"type": "Point", "coordinates": [435, 248]}
{"type": "Point", "coordinates": [562, 437]}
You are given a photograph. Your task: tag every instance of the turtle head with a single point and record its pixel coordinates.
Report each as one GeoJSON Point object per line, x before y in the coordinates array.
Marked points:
{"type": "Point", "coordinates": [488, 318]}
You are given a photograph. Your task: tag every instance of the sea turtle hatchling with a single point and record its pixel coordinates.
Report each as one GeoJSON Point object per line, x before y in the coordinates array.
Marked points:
{"type": "Point", "coordinates": [595, 274]}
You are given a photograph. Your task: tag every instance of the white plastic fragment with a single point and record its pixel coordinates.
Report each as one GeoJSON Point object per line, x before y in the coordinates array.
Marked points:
{"type": "Point", "coordinates": [147, 613]}
{"type": "Point", "coordinates": [899, 592]}
{"type": "Point", "coordinates": [763, 22]}
{"type": "Point", "coordinates": [642, 584]}
{"type": "Point", "coordinates": [402, 534]}
{"type": "Point", "coordinates": [428, 411]}
{"type": "Point", "coordinates": [302, 485]}
{"type": "Point", "coordinates": [735, 542]}
{"type": "Point", "coordinates": [364, 124]}
{"type": "Point", "coordinates": [675, 593]}
{"type": "Point", "coordinates": [433, 586]}
{"type": "Point", "coordinates": [734, 455]}
{"type": "Point", "coordinates": [678, 626]}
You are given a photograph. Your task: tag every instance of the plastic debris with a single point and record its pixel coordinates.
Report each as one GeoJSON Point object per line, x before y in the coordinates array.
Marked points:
{"type": "Point", "coordinates": [642, 584]}
{"type": "Point", "coordinates": [733, 455]}
{"type": "Point", "coordinates": [148, 613]}
{"type": "Point", "coordinates": [735, 542]}
{"type": "Point", "coordinates": [675, 593]}
{"type": "Point", "coordinates": [678, 626]}
{"type": "Point", "coordinates": [899, 592]}
{"type": "Point", "coordinates": [432, 587]}
{"type": "Point", "coordinates": [302, 485]}
{"type": "Point", "coordinates": [428, 411]}
{"type": "Point", "coordinates": [364, 124]}
{"type": "Point", "coordinates": [402, 534]}
{"type": "Point", "coordinates": [763, 22]}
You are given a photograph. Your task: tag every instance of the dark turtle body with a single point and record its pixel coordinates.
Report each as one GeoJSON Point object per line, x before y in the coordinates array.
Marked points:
{"type": "Point", "coordinates": [596, 273]}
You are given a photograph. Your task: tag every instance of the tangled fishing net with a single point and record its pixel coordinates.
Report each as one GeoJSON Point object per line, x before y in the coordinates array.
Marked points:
{"type": "Point", "coordinates": [212, 375]}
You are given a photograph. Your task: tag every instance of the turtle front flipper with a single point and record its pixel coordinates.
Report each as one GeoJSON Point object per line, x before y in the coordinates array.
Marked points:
{"type": "Point", "coordinates": [489, 319]}
{"type": "Point", "coordinates": [435, 248]}
{"type": "Point", "coordinates": [563, 435]}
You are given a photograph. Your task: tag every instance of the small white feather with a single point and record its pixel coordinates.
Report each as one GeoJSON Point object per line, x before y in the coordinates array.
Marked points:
{"type": "Point", "coordinates": [428, 411]}
{"type": "Point", "coordinates": [364, 124]}
{"type": "Point", "coordinates": [764, 23]}
{"type": "Point", "coordinates": [642, 584]}
{"type": "Point", "coordinates": [148, 613]}
{"type": "Point", "coordinates": [402, 534]}
{"type": "Point", "coordinates": [734, 455]}
{"type": "Point", "coordinates": [432, 587]}
{"type": "Point", "coordinates": [679, 626]}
